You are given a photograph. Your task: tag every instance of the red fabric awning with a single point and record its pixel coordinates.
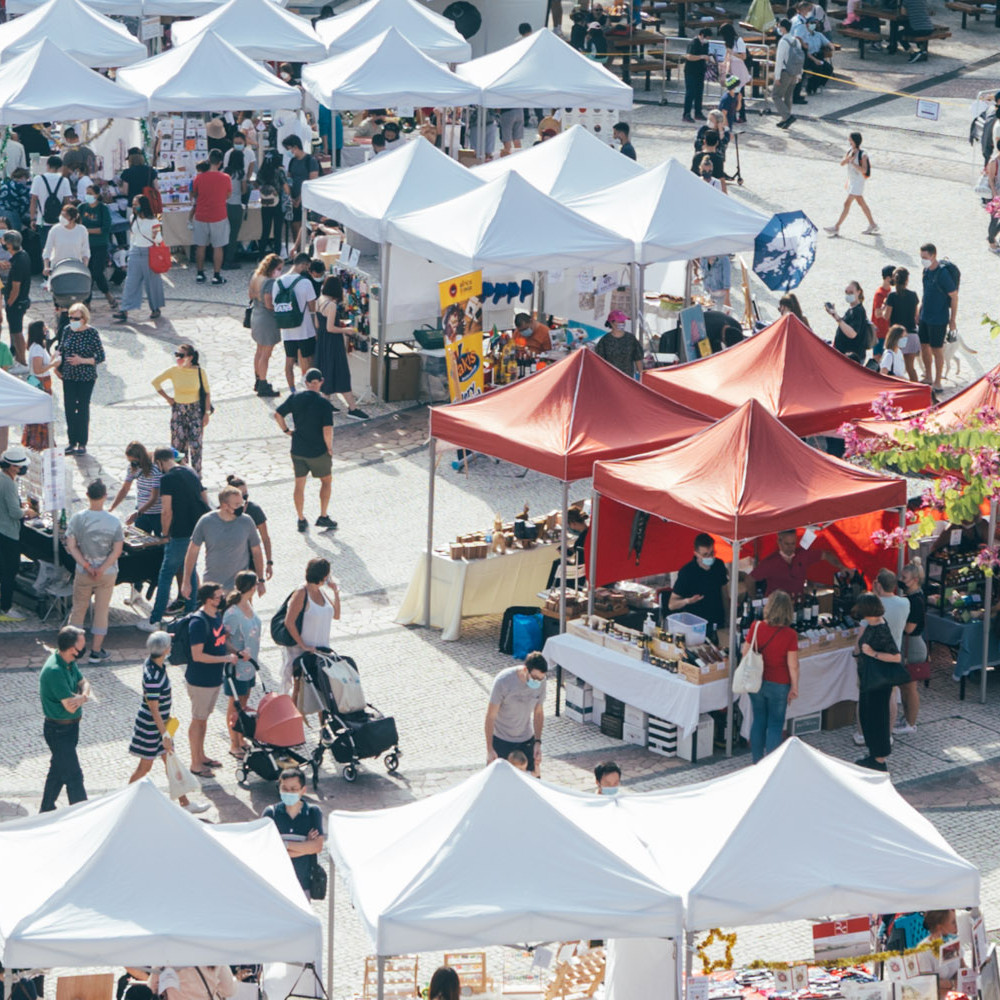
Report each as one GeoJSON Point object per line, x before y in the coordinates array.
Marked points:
{"type": "Point", "coordinates": [746, 476]}
{"type": "Point", "coordinates": [804, 382]}
{"type": "Point", "coordinates": [568, 416]}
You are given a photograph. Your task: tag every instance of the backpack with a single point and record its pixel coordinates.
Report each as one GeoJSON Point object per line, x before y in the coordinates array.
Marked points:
{"type": "Point", "coordinates": [986, 138]}
{"type": "Point", "coordinates": [868, 162]}
{"type": "Point", "coordinates": [287, 311]}
{"type": "Point", "coordinates": [180, 645]}
{"type": "Point", "coordinates": [953, 271]}
{"type": "Point", "coordinates": [52, 206]}
{"type": "Point", "coordinates": [279, 631]}
{"type": "Point", "coordinates": [796, 61]}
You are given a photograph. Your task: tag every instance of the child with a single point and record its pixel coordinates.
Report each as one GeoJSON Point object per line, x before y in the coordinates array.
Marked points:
{"type": "Point", "coordinates": [518, 759]}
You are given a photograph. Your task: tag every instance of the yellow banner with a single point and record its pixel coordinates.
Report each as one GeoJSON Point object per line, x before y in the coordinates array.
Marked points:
{"type": "Point", "coordinates": [460, 289]}
{"type": "Point", "coordinates": [461, 320]}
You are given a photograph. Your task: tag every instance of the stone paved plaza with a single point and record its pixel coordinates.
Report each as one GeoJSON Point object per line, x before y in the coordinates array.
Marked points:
{"type": "Point", "coordinates": [920, 190]}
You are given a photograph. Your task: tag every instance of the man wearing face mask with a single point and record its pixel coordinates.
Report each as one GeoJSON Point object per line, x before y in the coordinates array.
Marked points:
{"type": "Point", "coordinates": [938, 313]}
{"type": "Point", "coordinates": [700, 588]}
{"type": "Point", "coordinates": [14, 463]}
{"type": "Point", "coordinates": [300, 824]}
{"type": "Point", "coordinates": [226, 533]}
{"type": "Point", "coordinates": [95, 217]}
{"type": "Point", "coordinates": [516, 713]}
{"type": "Point", "coordinates": [608, 777]}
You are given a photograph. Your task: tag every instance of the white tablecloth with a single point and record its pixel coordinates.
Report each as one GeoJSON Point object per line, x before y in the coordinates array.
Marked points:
{"type": "Point", "coordinates": [824, 679]}
{"type": "Point", "coordinates": [460, 588]}
{"type": "Point", "coordinates": [648, 688]}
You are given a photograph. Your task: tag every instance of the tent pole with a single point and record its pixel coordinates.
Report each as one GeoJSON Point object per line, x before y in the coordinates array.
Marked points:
{"type": "Point", "coordinates": [633, 281]}
{"type": "Point", "coordinates": [329, 931]}
{"type": "Point", "coordinates": [987, 604]}
{"type": "Point", "coordinates": [381, 977]}
{"type": "Point", "coordinates": [642, 288]}
{"type": "Point", "coordinates": [734, 584]}
{"type": "Point", "coordinates": [542, 278]}
{"type": "Point", "coordinates": [595, 503]}
{"type": "Point", "coordinates": [679, 966]}
{"type": "Point", "coordinates": [383, 317]}
{"type": "Point", "coordinates": [55, 520]}
{"type": "Point", "coordinates": [688, 282]}
{"type": "Point", "coordinates": [563, 557]}
{"type": "Point", "coordinates": [431, 459]}
{"type": "Point", "coordinates": [688, 952]}
{"type": "Point", "coordinates": [902, 545]}
{"type": "Point", "coordinates": [534, 293]}
{"type": "Point", "coordinates": [481, 129]}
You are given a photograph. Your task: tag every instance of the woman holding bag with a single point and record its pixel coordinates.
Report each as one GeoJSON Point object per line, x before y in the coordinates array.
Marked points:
{"type": "Point", "coordinates": [310, 617]}
{"type": "Point", "coordinates": [778, 645]}
{"type": "Point", "coordinates": [150, 738]}
{"type": "Point", "coordinates": [144, 232]}
{"type": "Point", "coordinates": [242, 636]}
{"type": "Point", "coordinates": [190, 405]}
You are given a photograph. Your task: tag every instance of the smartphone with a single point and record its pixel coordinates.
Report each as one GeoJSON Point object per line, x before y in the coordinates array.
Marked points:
{"type": "Point", "coordinates": [828, 306]}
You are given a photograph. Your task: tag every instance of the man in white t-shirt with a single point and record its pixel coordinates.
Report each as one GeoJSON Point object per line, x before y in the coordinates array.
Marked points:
{"type": "Point", "coordinates": [53, 182]}
{"type": "Point", "coordinates": [299, 341]}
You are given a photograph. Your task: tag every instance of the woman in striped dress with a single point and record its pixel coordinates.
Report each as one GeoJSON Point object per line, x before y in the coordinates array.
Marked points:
{"type": "Point", "coordinates": [149, 736]}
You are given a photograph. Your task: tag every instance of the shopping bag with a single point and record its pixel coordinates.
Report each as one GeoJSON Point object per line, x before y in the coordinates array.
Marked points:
{"type": "Point", "coordinates": [749, 675]}
{"type": "Point", "coordinates": [179, 779]}
{"type": "Point", "coordinates": [159, 258]}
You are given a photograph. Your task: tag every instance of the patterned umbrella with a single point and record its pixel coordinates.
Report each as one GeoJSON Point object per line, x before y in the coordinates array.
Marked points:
{"type": "Point", "coordinates": [784, 250]}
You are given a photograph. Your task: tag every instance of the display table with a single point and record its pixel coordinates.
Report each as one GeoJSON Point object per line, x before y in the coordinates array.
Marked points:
{"type": "Point", "coordinates": [825, 677]}
{"type": "Point", "coordinates": [177, 234]}
{"type": "Point", "coordinates": [966, 638]}
{"type": "Point", "coordinates": [462, 588]}
{"type": "Point", "coordinates": [634, 682]}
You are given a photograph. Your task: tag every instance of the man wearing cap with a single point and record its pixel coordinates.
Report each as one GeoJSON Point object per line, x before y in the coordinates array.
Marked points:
{"type": "Point", "coordinates": [14, 463]}
{"type": "Point", "coordinates": [619, 348]}
{"type": "Point", "coordinates": [537, 336]}
{"type": "Point", "coordinates": [817, 67]}
{"type": "Point", "coordinates": [729, 103]}
{"type": "Point", "coordinates": [312, 445]}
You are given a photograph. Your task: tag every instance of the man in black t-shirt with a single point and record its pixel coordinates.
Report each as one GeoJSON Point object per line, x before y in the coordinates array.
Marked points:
{"type": "Point", "coordinates": [17, 291]}
{"type": "Point", "coordinates": [695, 65]}
{"type": "Point", "coordinates": [302, 167]}
{"type": "Point", "coordinates": [300, 824]}
{"type": "Point", "coordinates": [183, 500]}
{"type": "Point", "coordinates": [312, 445]}
{"type": "Point", "coordinates": [700, 588]}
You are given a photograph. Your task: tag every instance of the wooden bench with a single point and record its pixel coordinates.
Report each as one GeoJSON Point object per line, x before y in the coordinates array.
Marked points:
{"type": "Point", "coordinates": [966, 9]}
{"type": "Point", "coordinates": [862, 36]}
{"type": "Point", "coordinates": [921, 41]}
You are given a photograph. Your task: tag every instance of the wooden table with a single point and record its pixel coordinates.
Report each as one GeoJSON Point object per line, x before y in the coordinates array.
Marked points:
{"type": "Point", "coordinates": [973, 7]}
{"type": "Point", "coordinates": [626, 44]}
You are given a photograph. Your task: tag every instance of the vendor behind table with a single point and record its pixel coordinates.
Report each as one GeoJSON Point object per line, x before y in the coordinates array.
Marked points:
{"type": "Point", "coordinates": [787, 567]}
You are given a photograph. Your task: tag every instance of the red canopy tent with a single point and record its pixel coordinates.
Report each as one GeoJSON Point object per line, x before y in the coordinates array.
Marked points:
{"type": "Point", "coordinates": [559, 422]}
{"type": "Point", "coordinates": [804, 382]}
{"type": "Point", "coordinates": [747, 475]}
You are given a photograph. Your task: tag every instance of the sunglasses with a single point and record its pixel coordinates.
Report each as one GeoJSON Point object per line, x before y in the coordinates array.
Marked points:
{"type": "Point", "coordinates": [179, 354]}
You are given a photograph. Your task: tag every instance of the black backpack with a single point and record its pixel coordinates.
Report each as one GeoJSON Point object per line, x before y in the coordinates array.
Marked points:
{"type": "Point", "coordinates": [986, 138]}
{"type": "Point", "coordinates": [953, 271]}
{"type": "Point", "coordinates": [52, 206]}
{"type": "Point", "coordinates": [180, 644]}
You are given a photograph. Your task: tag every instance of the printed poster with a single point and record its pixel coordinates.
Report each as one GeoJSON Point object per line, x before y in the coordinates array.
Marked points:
{"type": "Point", "coordinates": [462, 322]}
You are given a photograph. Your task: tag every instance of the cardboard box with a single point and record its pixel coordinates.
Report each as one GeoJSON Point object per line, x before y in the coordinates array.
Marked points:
{"type": "Point", "coordinates": [843, 938]}
{"type": "Point", "coordinates": [636, 717]}
{"type": "Point", "coordinates": [580, 628]}
{"type": "Point", "coordinates": [636, 735]}
{"type": "Point", "coordinates": [661, 748]}
{"type": "Point", "coordinates": [840, 715]}
{"type": "Point", "coordinates": [661, 729]}
{"type": "Point", "coordinates": [805, 724]}
{"type": "Point", "coordinates": [700, 744]}
{"type": "Point", "coordinates": [580, 696]}
{"type": "Point", "coordinates": [614, 707]}
{"type": "Point", "coordinates": [695, 675]}
{"type": "Point", "coordinates": [575, 714]}
{"type": "Point", "coordinates": [402, 372]}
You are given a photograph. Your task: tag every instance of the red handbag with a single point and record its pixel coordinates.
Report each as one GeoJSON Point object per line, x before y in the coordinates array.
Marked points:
{"type": "Point", "coordinates": [159, 258]}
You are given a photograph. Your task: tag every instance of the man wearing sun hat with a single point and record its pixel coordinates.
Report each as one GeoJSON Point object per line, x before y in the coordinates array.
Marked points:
{"type": "Point", "coordinates": [619, 347]}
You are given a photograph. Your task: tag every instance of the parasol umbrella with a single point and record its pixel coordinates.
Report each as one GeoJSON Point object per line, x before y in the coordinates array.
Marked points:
{"type": "Point", "coordinates": [784, 250]}
{"type": "Point", "coordinates": [761, 15]}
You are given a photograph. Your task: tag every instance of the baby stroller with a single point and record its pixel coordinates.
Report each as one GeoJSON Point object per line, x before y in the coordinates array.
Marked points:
{"type": "Point", "coordinates": [351, 729]}
{"type": "Point", "coordinates": [69, 281]}
{"type": "Point", "coordinates": [274, 729]}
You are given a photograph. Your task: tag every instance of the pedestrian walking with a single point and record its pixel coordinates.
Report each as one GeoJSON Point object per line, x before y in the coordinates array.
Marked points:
{"type": "Point", "coordinates": [516, 713]}
{"type": "Point", "coordinates": [735, 64]}
{"type": "Point", "coordinates": [263, 327]}
{"type": "Point", "coordinates": [312, 445]}
{"type": "Point", "coordinates": [243, 638]}
{"type": "Point", "coordinates": [275, 194]}
{"type": "Point", "coordinates": [144, 231]}
{"type": "Point", "coordinates": [16, 292]}
{"type": "Point", "coordinates": [332, 330]}
{"type": "Point", "coordinates": [63, 692]}
{"type": "Point", "coordinates": [309, 619]}
{"type": "Point", "coordinates": [294, 302]}
{"type": "Point", "coordinates": [183, 501]}
{"type": "Point", "coordinates": [938, 313]}
{"type": "Point", "coordinates": [789, 63]}
{"type": "Point", "coordinates": [146, 475]}
{"type": "Point", "coordinates": [82, 351]}
{"type": "Point", "coordinates": [259, 519]}
{"type": "Point", "coordinates": [95, 217]}
{"type": "Point", "coordinates": [41, 364]}
{"type": "Point", "coordinates": [150, 738]}
{"type": "Point", "coordinates": [211, 190]}
{"type": "Point", "coordinates": [94, 540]}
{"type": "Point", "coordinates": [13, 463]}
{"type": "Point", "coordinates": [900, 308]}
{"type": "Point", "coordinates": [859, 169]}
{"type": "Point", "coordinates": [190, 405]}
{"type": "Point", "coordinates": [67, 240]}
{"type": "Point", "coordinates": [300, 824]}
{"type": "Point", "coordinates": [695, 66]}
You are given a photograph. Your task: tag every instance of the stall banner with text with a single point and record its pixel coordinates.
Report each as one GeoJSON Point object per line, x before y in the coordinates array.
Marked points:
{"type": "Point", "coordinates": [461, 320]}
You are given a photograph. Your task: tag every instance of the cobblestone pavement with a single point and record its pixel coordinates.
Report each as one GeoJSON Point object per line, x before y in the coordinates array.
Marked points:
{"type": "Point", "coordinates": [920, 190]}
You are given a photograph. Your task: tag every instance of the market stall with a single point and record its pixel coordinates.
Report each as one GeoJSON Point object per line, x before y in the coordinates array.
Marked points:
{"type": "Point", "coordinates": [567, 416]}
{"type": "Point", "coordinates": [746, 476]}
{"type": "Point", "coordinates": [77, 29]}
{"type": "Point", "coordinates": [260, 29]}
{"type": "Point", "coordinates": [433, 34]}
{"type": "Point", "coordinates": [805, 383]}
{"type": "Point", "coordinates": [131, 8]}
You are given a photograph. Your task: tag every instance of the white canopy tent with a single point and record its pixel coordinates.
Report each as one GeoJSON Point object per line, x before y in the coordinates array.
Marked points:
{"type": "Point", "coordinates": [410, 177]}
{"type": "Point", "coordinates": [73, 893]}
{"type": "Point", "coordinates": [435, 35]}
{"type": "Point", "coordinates": [543, 71]}
{"type": "Point", "coordinates": [89, 37]}
{"type": "Point", "coordinates": [260, 29]}
{"type": "Point", "coordinates": [505, 222]}
{"type": "Point", "coordinates": [207, 74]}
{"type": "Point", "coordinates": [44, 83]}
{"type": "Point", "coordinates": [567, 166]}
{"type": "Point", "coordinates": [133, 8]}
{"type": "Point", "coordinates": [21, 403]}
{"type": "Point", "coordinates": [386, 71]}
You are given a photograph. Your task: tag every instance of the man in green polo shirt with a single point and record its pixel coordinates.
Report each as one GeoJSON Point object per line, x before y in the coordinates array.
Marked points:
{"type": "Point", "coordinates": [63, 691]}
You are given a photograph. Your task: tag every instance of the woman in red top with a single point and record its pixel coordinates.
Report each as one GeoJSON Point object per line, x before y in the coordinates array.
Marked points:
{"type": "Point", "coordinates": [779, 646]}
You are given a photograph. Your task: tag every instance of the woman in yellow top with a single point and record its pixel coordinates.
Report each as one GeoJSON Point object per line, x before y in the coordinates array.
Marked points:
{"type": "Point", "coordinates": [190, 405]}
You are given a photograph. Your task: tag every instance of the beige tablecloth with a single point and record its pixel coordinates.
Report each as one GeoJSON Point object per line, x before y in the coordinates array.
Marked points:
{"type": "Point", "coordinates": [177, 234]}
{"type": "Point", "coordinates": [460, 588]}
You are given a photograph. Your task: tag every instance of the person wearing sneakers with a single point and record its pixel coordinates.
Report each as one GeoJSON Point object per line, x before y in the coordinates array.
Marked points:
{"type": "Point", "coordinates": [312, 445]}
{"type": "Point", "coordinates": [211, 191]}
{"type": "Point", "coordinates": [293, 299]}
{"type": "Point", "coordinates": [916, 662]}
{"type": "Point", "coordinates": [938, 313]}
{"type": "Point", "coordinates": [94, 539]}
{"type": "Point", "coordinates": [859, 169]}
{"type": "Point", "coordinates": [14, 463]}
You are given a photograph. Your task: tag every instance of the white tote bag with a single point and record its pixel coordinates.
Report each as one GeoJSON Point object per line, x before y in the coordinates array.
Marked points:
{"type": "Point", "coordinates": [179, 779]}
{"type": "Point", "coordinates": [749, 674]}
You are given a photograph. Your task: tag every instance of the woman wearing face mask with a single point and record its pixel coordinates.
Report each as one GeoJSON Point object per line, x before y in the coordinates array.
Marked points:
{"type": "Point", "coordinates": [310, 616]}
{"type": "Point", "coordinates": [301, 822]}
{"type": "Point", "coordinates": [858, 171]}
{"type": "Point", "coordinates": [95, 217]}
{"type": "Point", "coordinates": [67, 241]}
{"type": "Point", "coordinates": [144, 231]}
{"type": "Point", "coordinates": [146, 476]}
{"type": "Point", "coordinates": [852, 333]}
{"type": "Point", "coordinates": [82, 351]}
{"type": "Point", "coordinates": [242, 637]}
{"type": "Point", "coordinates": [190, 405]}
{"type": "Point", "coordinates": [40, 365]}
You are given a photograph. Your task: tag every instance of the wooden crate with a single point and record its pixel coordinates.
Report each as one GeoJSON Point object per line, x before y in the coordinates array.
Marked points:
{"type": "Point", "coordinates": [471, 969]}
{"type": "Point", "coordinates": [578, 977]}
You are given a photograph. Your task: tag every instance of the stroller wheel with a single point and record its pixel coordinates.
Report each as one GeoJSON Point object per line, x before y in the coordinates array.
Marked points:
{"type": "Point", "coordinates": [391, 763]}
{"type": "Point", "coordinates": [349, 773]}
{"type": "Point", "coordinates": [241, 775]}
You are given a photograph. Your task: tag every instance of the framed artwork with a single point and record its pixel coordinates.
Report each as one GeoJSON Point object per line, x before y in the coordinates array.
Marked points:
{"type": "Point", "coordinates": [989, 978]}
{"type": "Point", "coordinates": [917, 988]}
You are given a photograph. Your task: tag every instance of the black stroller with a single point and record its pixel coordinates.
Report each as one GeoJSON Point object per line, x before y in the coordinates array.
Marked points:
{"type": "Point", "coordinates": [69, 281]}
{"type": "Point", "coordinates": [360, 733]}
